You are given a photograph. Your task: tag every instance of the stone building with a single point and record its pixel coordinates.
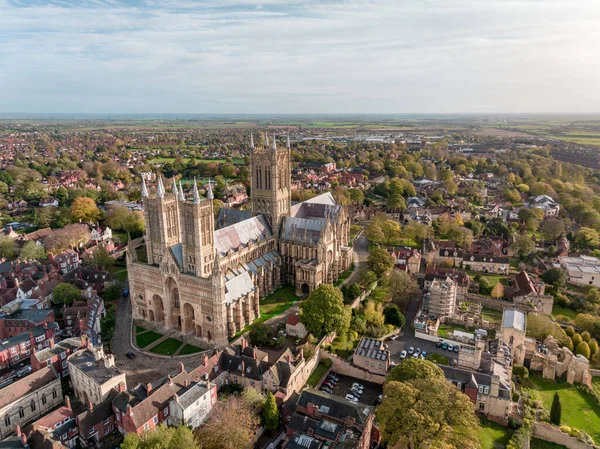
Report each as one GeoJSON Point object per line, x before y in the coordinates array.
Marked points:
{"type": "Point", "coordinates": [442, 297]}
{"type": "Point", "coordinates": [371, 355]}
{"type": "Point", "coordinates": [208, 281]}
{"type": "Point", "coordinates": [27, 399]}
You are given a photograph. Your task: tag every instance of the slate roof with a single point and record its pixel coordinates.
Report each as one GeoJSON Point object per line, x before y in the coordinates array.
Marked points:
{"type": "Point", "coordinates": [238, 287]}
{"type": "Point", "coordinates": [372, 349]}
{"type": "Point", "coordinates": [241, 234]}
{"type": "Point", "coordinates": [71, 344]}
{"type": "Point", "coordinates": [302, 230]}
{"type": "Point", "coordinates": [26, 385]}
{"type": "Point", "coordinates": [192, 394]}
{"type": "Point", "coordinates": [337, 407]}
{"type": "Point", "coordinates": [99, 412]}
{"type": "Point", "coordinates": [227, 217]}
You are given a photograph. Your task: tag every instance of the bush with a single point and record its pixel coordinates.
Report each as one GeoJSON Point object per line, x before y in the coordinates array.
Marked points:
{"type": "Point", "coordinates": [583, 349]}
{"type": "Point", "coordinates": [585, 336]}
{"type": "Point", "coordinates": [393, 316]}
{"type": "Point", "coordinates": [516, 396]}
{"type": "Point", "coordinates": [565, 429]}
{"type": "Point", "coordinates": [576, 339]}
{"type": "Point", "coordinates": [521, 371]}
{"type": "Point", "coordinates": [327, 363]}
{"type": "Point", "coordinates": [570, 331]}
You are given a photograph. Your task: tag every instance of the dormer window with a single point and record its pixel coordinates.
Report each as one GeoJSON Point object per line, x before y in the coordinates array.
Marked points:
{"type": "Point", "coordinates": [472, 258]}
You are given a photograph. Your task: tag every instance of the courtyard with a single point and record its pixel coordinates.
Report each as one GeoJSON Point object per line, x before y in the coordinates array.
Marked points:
{"type": "Point", "coordinates": [157, 343]}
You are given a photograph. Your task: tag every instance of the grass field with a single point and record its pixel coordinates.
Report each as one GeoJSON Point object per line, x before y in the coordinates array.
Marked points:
{"type": "Point", "coordinates": [316, 375]}
{"type": "Point", "coordinates": [167, 347]}
{"type": "Point", "coordinates": [444, 330]}
{"type": "Point", "coordinates": [541, 444]}
{"type": "Point", "coordinates": [139, 329]}
{"type": "Point", "coordinates": [579, 410]}
{"type": "Point", "coordinates": [439, 359]}
{"type": "Point", "coordinates": [189, 349]}
{"type": "Point", "coordinates": [344, 275]}
{"type": "Point", "coordinates": [566, 311]}
{"type": "Point", "coordinates": [144, 339]}
{"type": "Point", "coordinates": [492, 433]}
{"type": "Point", "coordinates": [354, 230]}
{"type": "Point", "coordinates": [274, 304]}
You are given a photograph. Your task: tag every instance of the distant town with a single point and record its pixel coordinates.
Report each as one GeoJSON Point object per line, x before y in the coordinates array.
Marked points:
{"type": "Point", "coordinates": [299, 283]}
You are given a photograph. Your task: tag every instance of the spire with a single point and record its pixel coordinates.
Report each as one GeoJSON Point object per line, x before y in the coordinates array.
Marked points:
{"type": "Point", "coordinates": [216, 267]}
{"type": "Point", "coordinates": [144, 188]}
{"type": "Point", "coordinates": [288, 141]}
{"type": "Point", "coordinates": [174, 188]}
{"type": "Point", "coordinates": [160, 189]}
{"type": "Point", "coordinates": [210, 195]}
{"type": "Point", "coordinates": [181, 195]}
{"type": "Point", "coordinates": [266, 139]}
{"type": "Point", "coordinates": [251, 141]}
{"type": "Point", "coordinates": [274, 143]}
{"type": "Point", "coordinates": [195, 192]}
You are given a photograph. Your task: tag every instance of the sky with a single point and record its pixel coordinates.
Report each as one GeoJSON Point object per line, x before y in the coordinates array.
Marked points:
{"type": "Point", "coordinates": [299, 56]}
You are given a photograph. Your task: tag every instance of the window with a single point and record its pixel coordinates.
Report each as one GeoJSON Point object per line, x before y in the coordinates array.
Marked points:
{"type": "Point", "coordinates": [166, 412]}
{"type": "Point", "coordinates": [106, 431]}
{"type": "Point", "coordinates": [54, 394]}
{"type": "Point", "coordinates": [487, 390]}
{"type": "Point", "coordinates": [155, 420]}
{"type": "Point", "coordinates": [65, 364]}
{"type": "Point", "coordinates": [44, 400]}
{"type": "Point", "coordinates": [13, 350]}
{"type": "Point", "coordinates": [21, 413]}
{"type": "Point", "coordinates": [106, 422]}
{"type": "Point", "coordinates": [33, 406]}
{"type": "Point", "coordinates": [48, 362]}
{"type": "Point", "coordinates": [146, 426]}
{"type": "Point", "coordinates": [92, 431]}
{"type": "Point", "coordinates": [63, 355]}
{"type": "Point", "coordinates": [7, 420]}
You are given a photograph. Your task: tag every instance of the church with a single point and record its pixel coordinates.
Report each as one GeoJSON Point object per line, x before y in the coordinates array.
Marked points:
{"type": "Point", "coordinates": [207, 275]}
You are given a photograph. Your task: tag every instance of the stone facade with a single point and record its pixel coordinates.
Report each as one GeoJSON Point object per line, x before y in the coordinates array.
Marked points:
{"type": "Point", "coordinates": [209, 281]}
{"type": "Point", "coordinates": [558, 362]}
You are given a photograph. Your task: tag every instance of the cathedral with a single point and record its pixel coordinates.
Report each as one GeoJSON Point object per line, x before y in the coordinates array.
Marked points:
{"type": "Point", "coordinates": [207, 275]}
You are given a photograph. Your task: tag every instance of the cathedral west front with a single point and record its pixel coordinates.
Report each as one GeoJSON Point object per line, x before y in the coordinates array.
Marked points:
{"type": "Point", "coordinates": [206, 276]}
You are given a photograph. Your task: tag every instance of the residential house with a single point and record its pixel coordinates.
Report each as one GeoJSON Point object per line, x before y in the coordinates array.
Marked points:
{"type": "Point", "coordinates": [582, 270]}
{"type": "Point", "coordinates": [548, 204]}
{"type": "Point", "coordinates": [486, 263]}
{"type": "Point", "coordinates": [57, 429]}
{"type": "Point", "coordinates": [55, 355]}
{"type": "Point", "coordinates": [407, 259]}
{"type": "Point", "coordinates": [29, 398]}
{"type": "Point", "coordinates": [96, 422]}
{"type": "Point", "coordinates": [294, 327]}
{"type": "Point", "coordinates": [371, 355]}
{"type": "Point", "coordinates": [65, 261]}
{"type": "Point", "coordinates": [15, 351]}
{"type": "Point", "coordinates": [191, 406]}
{"type": "Point", "coordinates": [49, 202]}
{"type": "Point", "coordinates": [22, 320]}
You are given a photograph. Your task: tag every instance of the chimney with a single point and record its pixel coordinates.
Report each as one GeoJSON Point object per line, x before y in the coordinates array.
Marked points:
{"type": "Point", "coordinates": [170, 379]}
{"type": "Point", "coordinates": [181, 368]}
{"type": "Point", "coordinates": [45, 324]}
{"type": "Point", "coordinates": [18, 430]}
{"type": "Point", "coordinates": [122, 387]}
{"type": "Point", "coordinates": [148, 388]}
{"type": "Point", "coordinates": [204, 359]}
{"type": "Point", "coordinates": [90, 406]}
{"type": "Point", "coordinates": [129, 410]}
{"type": "Point", "coordinates": [52, 342]}
{"type": "Point", "coordinates": [244, 343]}
{"type": "Point", "coordinates": [243, 368]}
{"type": "Point", "coordinates": [301, 353]}
{"type": "Point", "coordinates": [68, 402]}
{"type": "Point", "coordinates": [254, 352]}
{"type": "Point", "coordinates": [186, 382]}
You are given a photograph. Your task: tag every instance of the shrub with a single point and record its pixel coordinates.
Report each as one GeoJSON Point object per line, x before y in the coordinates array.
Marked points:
{"type": "Point", "coordinates": [516, 396]}
{"type": "Point", "coordinates": [583, 349]}
{"type": "Point", "coordinates": [570, 331]}
{"type": "Point", "coordinates": [585, 336]}
{"type": "Point", "coordinates": [521, 371]}
{"type": "Point", "coordinates": [327, 363]}
{"type": "Point", "coordinates": [566, 429]}
{"type": "Point", "coordinates": [576, 339]}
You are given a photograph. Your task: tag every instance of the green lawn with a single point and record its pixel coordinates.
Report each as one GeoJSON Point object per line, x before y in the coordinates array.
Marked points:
{"type": "Point", "coordinates": [492, 317]}
{"type": "Point", "coordinates": [118, 272]}
{"type": "Point", "coordinates": [272, 305]}
{"type": "Point", "coordinates": [344, 275]}
{"type": "Point", "coordinates": [139, 329]}
{"type": "Point", "coordinates": [491, 433]}
{"type": "Point", "coordinates": [143, 340]}
{"type": "Point", "coordinates": [316, 375]}
{"type": "Point", "coordinates": [189, 349]}
{"type": "Point", "coordinates": [444, 330]}
{"type": "Point", "coordinates": [596, 385]}
{"type": "Point", "coordinates": [492, 279]}
{"type": "Point", "coordinates": [439, 359]}
{"type": "Point", "coordinates": [541, 444]}
{"type": "Point", "coordinates": [167, 347]}
{"type": "Point", "coordinates": [579, 410]}
{"type": "Point", "coordinates": [566, 311]}
{"type": "Point", "coordinates": [354, 230]}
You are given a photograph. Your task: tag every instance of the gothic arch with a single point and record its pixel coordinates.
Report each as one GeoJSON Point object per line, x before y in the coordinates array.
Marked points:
{"type": "Point", "coordinates": [159, 310]}
{"type": "Point", "coordinates": [175, 303]}
{"type": "Point", "coordinates": [188, 317]}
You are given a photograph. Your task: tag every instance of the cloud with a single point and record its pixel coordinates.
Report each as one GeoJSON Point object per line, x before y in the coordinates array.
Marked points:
{"type": "Point", "coordinates": [277, 56]}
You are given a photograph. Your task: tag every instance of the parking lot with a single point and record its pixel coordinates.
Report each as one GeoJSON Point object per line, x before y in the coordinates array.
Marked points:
{"type": "Point", "coordinates": [370, 393]}
{"type": "Point", "coordinates": [406, 341]}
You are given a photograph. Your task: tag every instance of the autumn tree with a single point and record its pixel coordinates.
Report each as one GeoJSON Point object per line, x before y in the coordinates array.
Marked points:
{"type": "Point", "coordinates": [7, 247]}
{"type": "Point", "coordinates": [402, 287]}
{"type": "Point", "coordinates": [232, 415]}
{"type": "Point", "coordinates": [84, 209]}
{"type": "Point", "coordinates": [380, 261]}
{"type": "Point", "coordinates": [324, 312]}
{"type": "Point", "coordinates": [32, 251]}
{"type": "Point", "coordinates": [497, 291]}
{"type": "Point", "coordinates": [71, 236]}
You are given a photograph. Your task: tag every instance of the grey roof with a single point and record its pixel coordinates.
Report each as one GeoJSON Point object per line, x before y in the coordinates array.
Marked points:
{"type": "Point", "coordinates": [62, 346]}
{"type": "Point", "coordinates": [337, 407]}
{"type": "Point", "coordinates": [324, 198]}
{"type": "Point", "coordinates": [514, 319]}
{"type": "Point", "coordinates": [192, 394]}
{"type": "Point", "coordinates": [84, 360]}
{"type": "Point", "coordinates": [24, 336]}
{"type": "Point", "coordinates": [241, 234]}
{"type": "Point", "coordinates": [227, 217]}
{"type": "Point", "coordinates": [177, 252]}
{"type": "Point", "coordinates": [302, 230]}
{"type": "Point", "coordinates": [238, 287]}
{"type": "Point", "coordinates": [33, 315]}
{"type": "Point", "coordinates": [372, 349]}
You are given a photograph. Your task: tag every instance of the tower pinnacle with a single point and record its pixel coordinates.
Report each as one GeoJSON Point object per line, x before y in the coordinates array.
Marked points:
{"type": "Point", "coordinates": [160, 189]}
{"type": "Point", "coordinates": [144, 188]}
{"type": "Point", "coordinates": [181, 195]}
{"type": "Point", "coordinates": [196, 194]}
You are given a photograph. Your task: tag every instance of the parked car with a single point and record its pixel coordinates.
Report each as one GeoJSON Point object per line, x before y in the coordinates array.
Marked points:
{"type": "Point", "coordinates": [356, 394]}
{"type": "Point", "coordinates": [424, 354]}
{"type": "Point", "coordinates": [351, 398]}
{"type": "Point", "coordinates": [438, 344]}
{"type": "Point", "coordinates": [411, 350]}
{"type": "Point", "coordinates": [393, 337]}
{"type": "Point", "coordinates": [327, 390]}
{"type": "Point", "coordinates": [456, 348]}
{"type": "Point", "coordinates": [450, 348]}
{"type": "Point", "coordinates": [130, 355]}
{"type": "Point", "coordinates": [356, 384]}
{"type": "Point", "coordinates": [331, 380]}
{"type": "Point", "coordinates": [403, 354]}
{"type": "Point", "coordinates": [328, 384]}
{"type": "Point", "coordinates": [415, 356]}
{"type": "Point", "coordinates": [418, 351]}
{"type": "Point", "coordinates": [444, 346]}
{"type": "Point", "coordinates": [334, 377]}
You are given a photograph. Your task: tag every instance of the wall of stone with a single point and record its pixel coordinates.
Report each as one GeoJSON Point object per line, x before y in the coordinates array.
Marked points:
{"type": "Point", "coordinates": [341, 366]}
{"type": "Point", "coordinates": [546, 432]}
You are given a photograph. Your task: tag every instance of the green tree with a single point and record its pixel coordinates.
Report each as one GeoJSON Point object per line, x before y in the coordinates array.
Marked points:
{"type": "Point", "coordinates": [356, 196]}
{"type": "Point", "coordinates": [32, 251]}
{"type": "Point", "coordinates": [553, 228]}
{"type": "Point", "coordinates": [112, 292]}
{"type": "Point", "coordinates": [61, 195]}
{"type": "Point", "coordinates": [555, 410]}
{"type": "Point", "coordinates": [323, 312]}
{"type": "Point", "coordinates": [523, 245]}
{"type": "Point", "coordinates": [576, 339]}
{"type": "Point", "coordinates": [570, 331]}
{"type": "Point", "coordinates": [102, 259]}
{"type": "Point", "coordinates": [402, 287]}
{"type": "Point", "coordinates": [411, 369]}
{"type": "Point", "coordinates": [375, 234]}
{"type": "Point", "coordinates": [65, 294]}
{"type": "Point", "coordinates": [259, 335]}
{"type": "Point", "coordinates": [380, 261]}
{"type": "Point", "coordinates": [555, 276]}
{"type": "Point", "coordinates": [270, 413]}
{"type": "Point", "coordinates": [7, 247]}
{"type": "Point", "coordinates": [593, 344]}
{"type": "Point", "coordinates": [585, 336]}
{"type": "Point", "coordinates": [583, 349]}
{"type": "Point", "coordinates": [393, 316]}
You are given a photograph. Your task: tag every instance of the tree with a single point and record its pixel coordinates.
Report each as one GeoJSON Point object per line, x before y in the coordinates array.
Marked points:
{"type": "Point", "coordinates": [402, 287]}
{"type": "Point", "coordinates": [85, 209]}
{"type": "Point", "coordinates": [411, 369]}
{"type": "Point", "coordinates": [583, 349]}
{"type": "Point", "coordinates": [556, 410]}
{"type": "Point", "coordinates": [570, 331]}
{"type": "Point", "coordinates": [523, 245]}
{"type": "Point", "coordinates": [576, 339]}
{"type": "Point", "coordinates": [540, 326]}
{"type": "Point", "coordinates": [497, 291]}
{"type": "Point", "coordinates": [112, 292]}
{"type": "Point", "coordinates": [121, 218]}
{"type": "Point", "coordinates": [7, 247]}
{"type": "Point", "coordinates": [65, 294]}
{"type": "Point", "coordinates": [32, 251]}
{"type": "Point", "coordinates": [102, 259]}
{"type": "Point", "coordinates": [593, 344]}
{"type": "Point", "coordinates": [380, 261]}
{"type": "Point", "coordinates": [70, 236]}
{"type": "Point", "coordinates": [162, 437]}
{"type": "Point", "coordinates": [553, 228]}
{"type": "Point", "coordinates": [323, 312]}
{"type": "Point", "coordinates": [270, 413]}
{"type": "Point", "coordinates": [356, 196]}
{"type": "Point", "coordinates": [393, 316]}
{"type": "Point", "coordinates": [234, 416]}
{"type": "Point", "coordinates": [555, 276]}
{"type": "Point", "coordinates": [375, 234]}
{"type": "Point", "coordinates": [585, 336]}
{"type": "Point", "coordinates": [259, 335]}
{"type": "Point", "coordinates": [253, 399]}
{"type": "Point", "coordinates": [429, 413]}
{"type": "Point", "coordinates": [587, 238]}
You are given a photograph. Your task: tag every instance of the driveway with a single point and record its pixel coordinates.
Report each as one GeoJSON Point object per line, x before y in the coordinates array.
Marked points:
{"type": "Point", "coordinates": [361, 256]}
{"type": "Point", "coordinates": [144, 368]}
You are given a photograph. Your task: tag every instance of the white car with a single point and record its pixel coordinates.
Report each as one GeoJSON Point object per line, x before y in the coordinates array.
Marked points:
{"type": "Point", "coordinates": [351, 398]}
{"type": "Point", "coordinates": [403, 354]}
{"type": "Point", "coordinates": [411, 350]}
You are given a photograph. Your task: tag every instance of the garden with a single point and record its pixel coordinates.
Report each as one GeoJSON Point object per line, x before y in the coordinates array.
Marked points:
{"type": "Point", "coordinates": [145, 338]}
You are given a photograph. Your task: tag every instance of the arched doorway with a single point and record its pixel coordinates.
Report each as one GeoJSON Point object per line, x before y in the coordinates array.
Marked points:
{"type": "Point", "coordinates": [305, 289]}
{"type": "Point", "coordinates": [188, 317]}
{"type": "Point", "coordinates": [159, 309]}
{"type": "Point", "coordinates": [208, 336]}
{"type": "Point", "coordinates": [198, 331]}
{"type": "Point", "coordinates": [173, 292]}
{"type": "Point", "coordinates": [151, 315]}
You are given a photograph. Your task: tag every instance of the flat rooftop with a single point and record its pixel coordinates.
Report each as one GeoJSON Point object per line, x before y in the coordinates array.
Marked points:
{"type": "Point", "coordinates": [85, 362]}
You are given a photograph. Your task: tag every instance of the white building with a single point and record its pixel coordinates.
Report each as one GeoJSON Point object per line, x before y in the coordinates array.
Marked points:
{"type": "Point", "coordinates": [582, 270]}
{"type": "Point", "coordinates": [191, 407]}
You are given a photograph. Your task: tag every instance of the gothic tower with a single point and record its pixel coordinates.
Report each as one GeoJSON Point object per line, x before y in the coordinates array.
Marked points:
{"type": "Point", "coordinates": [161, 215]}
{"type": "Point", "coordinates": [197, 232]}
{"type": "Point", "coordinates": [271, 181]}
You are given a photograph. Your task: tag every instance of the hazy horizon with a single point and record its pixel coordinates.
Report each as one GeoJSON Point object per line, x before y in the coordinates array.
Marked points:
{"type": "Point", "coordinates": [293, 57]}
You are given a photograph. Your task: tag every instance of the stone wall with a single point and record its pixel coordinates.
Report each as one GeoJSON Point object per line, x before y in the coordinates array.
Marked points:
{"type": "Point", "coordinates": [546, 432]}
{"type": "Point", "coordinates": [341, 366]}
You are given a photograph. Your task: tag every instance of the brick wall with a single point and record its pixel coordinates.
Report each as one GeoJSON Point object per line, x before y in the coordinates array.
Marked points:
{"type": "Point", "coordinates": [547, 432]}
{"type": "Point", "coordinates": [344, 367]}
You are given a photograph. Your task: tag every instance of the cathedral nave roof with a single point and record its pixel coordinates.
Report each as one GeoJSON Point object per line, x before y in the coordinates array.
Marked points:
{"type": "Point", "coordinates": [242, 234]}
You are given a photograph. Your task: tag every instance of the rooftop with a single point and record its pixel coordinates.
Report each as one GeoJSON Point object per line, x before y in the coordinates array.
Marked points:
{"type": "Point", "coordinates": [372, 349]}
{"type": "Point", "coordinates": [514, 319]}
{"type": "Point", "coordinates": [84, 361]}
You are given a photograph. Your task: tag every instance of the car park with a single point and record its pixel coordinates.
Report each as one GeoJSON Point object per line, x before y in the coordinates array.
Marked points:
{"type": "Point", "coordinates": [444, 346]}
{"type": "Point", "coordinates": [327, 390]}
{"type": "Point", "coordinates": [456, 348]}
{"type": "Point", "coordinates": [450, 348]}
{"type": "Point", "coordinates": [403, 354]}
{"type": "Point", "coordinates": [411, 350]}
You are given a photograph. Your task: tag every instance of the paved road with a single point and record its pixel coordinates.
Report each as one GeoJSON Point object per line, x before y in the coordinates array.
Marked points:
{"type": "Point", "coordinates": [361, 256]}
{"type": "Point", "coordinates": [144, 368]}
